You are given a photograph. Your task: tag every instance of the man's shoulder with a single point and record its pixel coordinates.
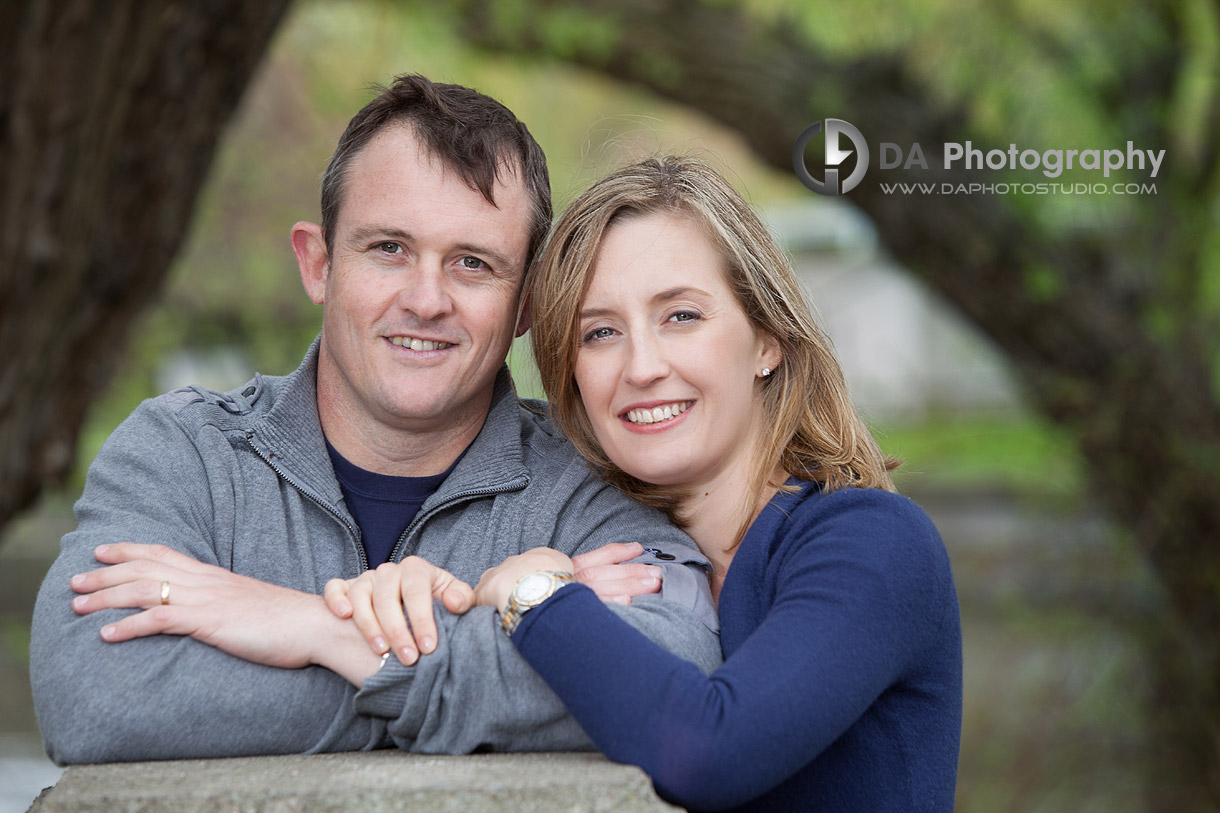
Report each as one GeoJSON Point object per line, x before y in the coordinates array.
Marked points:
{"type": "Point", "coordinates": [195, 409]}
{"type": "Point", "coordinates": [538, 432]}
{"type": "Point", "coordinates": [547, 454]}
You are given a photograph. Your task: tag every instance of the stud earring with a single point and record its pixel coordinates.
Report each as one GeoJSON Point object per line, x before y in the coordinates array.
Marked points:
{"type": "Point", "coordinates": [766, 371]}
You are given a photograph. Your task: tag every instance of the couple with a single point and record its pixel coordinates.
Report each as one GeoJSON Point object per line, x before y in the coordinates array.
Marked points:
{"type": "Point", "coordinates": [679, 361]}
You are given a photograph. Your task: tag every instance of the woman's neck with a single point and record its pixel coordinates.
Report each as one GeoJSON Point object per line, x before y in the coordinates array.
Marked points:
{"type": "Point", "coordinates": [716, 514]}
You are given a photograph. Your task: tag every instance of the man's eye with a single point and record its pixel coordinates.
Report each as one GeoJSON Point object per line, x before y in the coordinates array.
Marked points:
{"type": "Point", "coordinates": [390, 248]}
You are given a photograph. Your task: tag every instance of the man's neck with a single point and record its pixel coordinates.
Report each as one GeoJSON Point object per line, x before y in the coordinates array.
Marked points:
{"type": "Point", "coordinates": [400, 451]}
{"type": "Point", "coordinates": [397, 452]}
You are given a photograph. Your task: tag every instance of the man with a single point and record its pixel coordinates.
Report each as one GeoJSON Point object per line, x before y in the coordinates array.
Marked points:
{"type": "Point", "coordinates": [399, 435]}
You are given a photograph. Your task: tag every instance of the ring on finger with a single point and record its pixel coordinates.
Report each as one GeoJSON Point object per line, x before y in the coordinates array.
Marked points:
{"type": "Point", "coordinates": [165, 592]}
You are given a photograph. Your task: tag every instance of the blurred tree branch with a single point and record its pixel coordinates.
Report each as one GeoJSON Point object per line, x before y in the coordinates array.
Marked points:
{"type": "Point", "coordinates": [109, 116]}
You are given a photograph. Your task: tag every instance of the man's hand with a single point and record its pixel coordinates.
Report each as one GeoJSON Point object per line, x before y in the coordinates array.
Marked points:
{"type": "Point", "coordinates": [247, 618]}
{"type": "Point", "coordinates": [376, 599]}
{"type": "Point", "coordinates": [605, 571]}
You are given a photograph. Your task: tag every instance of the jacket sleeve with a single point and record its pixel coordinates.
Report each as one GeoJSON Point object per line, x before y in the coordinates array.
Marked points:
{"type": "Point", "coordinates": [477, 692]}
{"type": "Point", "coordinates": [164, 696]}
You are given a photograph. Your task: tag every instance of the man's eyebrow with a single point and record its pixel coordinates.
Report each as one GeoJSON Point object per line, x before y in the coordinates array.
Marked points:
{"type": "Point", "coordinates": [658, 298]}
{"type": "Point", "coordinates": [364, 233]}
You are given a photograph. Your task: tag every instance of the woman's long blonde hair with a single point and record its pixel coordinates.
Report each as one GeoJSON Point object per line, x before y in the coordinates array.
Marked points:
{"type": "Point", "coordinates": [812, 429]}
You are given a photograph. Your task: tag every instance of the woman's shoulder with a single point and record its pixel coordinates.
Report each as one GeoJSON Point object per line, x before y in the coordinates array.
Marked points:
{"type": "Point", "coordinates": [863, 522]}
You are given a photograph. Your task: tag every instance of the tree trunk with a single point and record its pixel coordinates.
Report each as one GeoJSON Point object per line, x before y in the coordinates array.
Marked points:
{"type": "Point", "coordinates": [1141, 407]}
{"type": "Point", "coordinates": [110, 111]}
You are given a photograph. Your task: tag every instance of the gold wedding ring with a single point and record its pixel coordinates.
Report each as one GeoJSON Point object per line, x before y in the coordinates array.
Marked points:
{"type": "Point", "coordinates": [165, 592]}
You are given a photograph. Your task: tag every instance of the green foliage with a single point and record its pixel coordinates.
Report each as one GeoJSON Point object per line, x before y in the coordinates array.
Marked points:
{"type": "Point", "coordinates": [1023, 454]}
{"type": "Point", "coordinates": [15, 637]}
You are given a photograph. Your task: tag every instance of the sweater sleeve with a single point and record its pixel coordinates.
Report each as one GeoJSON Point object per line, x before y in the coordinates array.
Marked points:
{"type": "Point", "coordinates": [165, 696]}
{"type": "Point", "coordinates": [475, 692]}
{"type": "Point", "coordinates": [850, 610]}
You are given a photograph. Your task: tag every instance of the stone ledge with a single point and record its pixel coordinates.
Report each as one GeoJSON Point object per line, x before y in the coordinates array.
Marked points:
{"type": "Point", "coordinates": [367, 782]}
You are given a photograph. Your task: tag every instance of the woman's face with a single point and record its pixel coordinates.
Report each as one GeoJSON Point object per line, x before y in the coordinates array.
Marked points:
{"type": "Point", "coordinates": [668, 363]}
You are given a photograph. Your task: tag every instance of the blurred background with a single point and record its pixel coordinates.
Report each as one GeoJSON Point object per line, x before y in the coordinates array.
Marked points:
{"type": "Point", "coordinates": [1005, 346]}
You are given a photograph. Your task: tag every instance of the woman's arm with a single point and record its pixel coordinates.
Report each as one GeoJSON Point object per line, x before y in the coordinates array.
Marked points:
{"type": "Point", "coordinates": [850, 610]}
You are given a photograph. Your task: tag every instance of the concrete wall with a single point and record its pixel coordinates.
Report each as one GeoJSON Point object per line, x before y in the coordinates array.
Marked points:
{"type": "Point", "coordinates": [363, 782]}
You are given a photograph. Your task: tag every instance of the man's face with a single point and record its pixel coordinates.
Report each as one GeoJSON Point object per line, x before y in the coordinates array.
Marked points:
{"type": "Point", "coordinates": [421, 290]}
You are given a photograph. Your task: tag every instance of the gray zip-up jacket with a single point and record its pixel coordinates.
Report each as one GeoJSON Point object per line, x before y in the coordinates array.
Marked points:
{"type": "Point", "coordinates": [243, 480]}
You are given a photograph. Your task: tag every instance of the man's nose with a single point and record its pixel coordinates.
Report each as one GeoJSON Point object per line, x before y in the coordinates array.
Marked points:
{"type": "Point", "coordinates": [425, 293]}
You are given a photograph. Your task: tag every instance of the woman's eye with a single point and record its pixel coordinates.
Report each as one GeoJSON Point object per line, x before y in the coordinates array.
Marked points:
{"type": "Point", "coordinates": [684, 316]}
{"type": "Point", "coordinates": [390, 248]}
{"type": "Point", "coordinates": [473, 263]}
{"type": "Point", "coordinates": [599, 333]}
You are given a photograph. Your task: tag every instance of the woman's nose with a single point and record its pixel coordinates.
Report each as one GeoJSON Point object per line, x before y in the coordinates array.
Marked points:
{"type": "Point", "coordinates": [646, 362]}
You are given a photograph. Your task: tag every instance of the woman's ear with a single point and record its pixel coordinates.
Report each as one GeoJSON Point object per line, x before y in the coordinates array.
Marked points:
{"type": "Point", "coordinates": [770, 356]}
{"type": "Point", "coordinates": [312, 259]}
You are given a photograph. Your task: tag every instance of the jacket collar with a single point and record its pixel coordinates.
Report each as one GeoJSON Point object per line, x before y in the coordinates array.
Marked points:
{"type": "Point", "coordinates": [289, 436]}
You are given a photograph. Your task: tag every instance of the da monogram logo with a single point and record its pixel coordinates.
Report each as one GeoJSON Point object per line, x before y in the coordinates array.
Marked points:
{"type": "Point", "coordinates": [834, 157]}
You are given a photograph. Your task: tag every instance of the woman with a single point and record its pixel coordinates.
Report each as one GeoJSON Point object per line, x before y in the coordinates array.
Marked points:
{"type": "Point", "coordinates": [679, 358]}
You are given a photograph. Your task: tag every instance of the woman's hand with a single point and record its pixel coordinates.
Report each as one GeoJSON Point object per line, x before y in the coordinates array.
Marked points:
{"type": "Point", "coordinates": [375, 601]}
{"type": "Point", "coordinates": [607, 572]}
{"type": "Point", "coordinates": [498, 582]}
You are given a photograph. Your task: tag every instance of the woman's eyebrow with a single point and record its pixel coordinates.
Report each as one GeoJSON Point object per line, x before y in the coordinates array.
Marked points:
{"type": "Point", "coordinates": [657, 298]}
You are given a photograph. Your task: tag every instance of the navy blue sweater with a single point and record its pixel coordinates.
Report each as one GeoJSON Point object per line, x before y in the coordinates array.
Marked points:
{"type": "Point", "coordinates": [841, 687]}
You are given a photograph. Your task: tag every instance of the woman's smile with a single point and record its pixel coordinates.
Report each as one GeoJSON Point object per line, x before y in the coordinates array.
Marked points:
{"type": "Point", "coordinates": [668, 365]}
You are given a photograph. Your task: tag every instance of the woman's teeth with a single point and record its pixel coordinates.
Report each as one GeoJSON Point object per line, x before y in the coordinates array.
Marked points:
{"type": "Point", "coordinates": [661, 413]}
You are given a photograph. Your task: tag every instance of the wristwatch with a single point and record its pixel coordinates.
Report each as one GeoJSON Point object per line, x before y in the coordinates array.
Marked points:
{"type": "Point", "coordinates": [532, 589]}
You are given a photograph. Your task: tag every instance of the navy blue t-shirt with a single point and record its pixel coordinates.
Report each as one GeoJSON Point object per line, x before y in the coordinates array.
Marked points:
{"type": "Point", "coordinates": [382, 505]}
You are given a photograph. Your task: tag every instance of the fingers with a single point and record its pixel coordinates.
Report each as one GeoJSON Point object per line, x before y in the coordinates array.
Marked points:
{"type": "Point", "coordinates": [457, 596]}
{"type": "Point", "coordinates": [131, 551]}
{"type": "Point", "coordinates": [611, 554]}
{"type": "Point", "coordinates": [142, 593]}
{"type": "Point", "coordinates": [397, 591]}
{"type": "Point", "coordinates": [364, 616]}
{"type": "Point", "coordinates": [335, 596]}
{"type": "Point", "coordinates": [621, 583]}
{"type": "Point", "coordinates": [155, 621]}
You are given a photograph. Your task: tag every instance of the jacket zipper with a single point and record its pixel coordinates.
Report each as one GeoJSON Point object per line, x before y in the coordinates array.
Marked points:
{"type": "Point", "coordinates": [461, 496]}
{"type": "Point", "coordinates": [353, 532]}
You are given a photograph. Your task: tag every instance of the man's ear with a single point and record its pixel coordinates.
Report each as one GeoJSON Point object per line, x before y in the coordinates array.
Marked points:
{"type": "Point", "coordinates": [310, 248]}
{"type": "Point", "coordinates": [523, 316]}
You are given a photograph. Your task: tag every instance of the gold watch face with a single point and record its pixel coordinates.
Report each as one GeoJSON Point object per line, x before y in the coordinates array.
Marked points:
{"type": "Point", "coordinates": [533, 587]}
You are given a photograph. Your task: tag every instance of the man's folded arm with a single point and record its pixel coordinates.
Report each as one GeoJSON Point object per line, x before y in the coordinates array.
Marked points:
{"type": "Point", "coordinates": [477, 692]}
{"type": "Point", "coordinates": [164, 696]}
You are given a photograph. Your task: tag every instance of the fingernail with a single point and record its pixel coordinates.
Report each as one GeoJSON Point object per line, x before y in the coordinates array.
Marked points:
{"type": "Point", "coordinates": [380, 645]}
{"type": "Point", "coordinates": [80, 601]}
{"type": "Point", "coordinates": [655, 570]}
{"type": "Point", "coordinates": [101, 549]}
{"type": "Point", "coordinates": [426, 644]}
{"type": "Point", "coordinates": [345, 608]}
{"type": "Point", "coordinates": [108, 632]}
{"type": "Point", "coordinates": [406, 655]}
{"type": "Point", "coordinates": [78, 579]}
